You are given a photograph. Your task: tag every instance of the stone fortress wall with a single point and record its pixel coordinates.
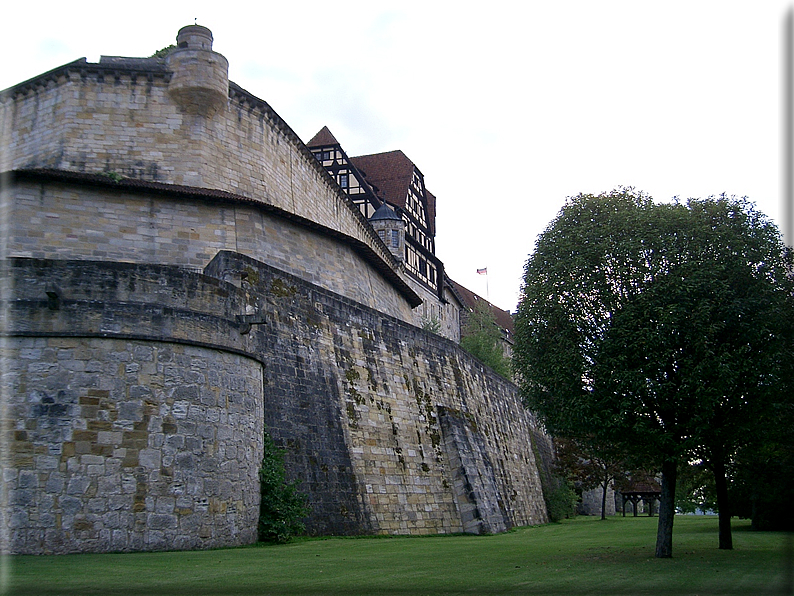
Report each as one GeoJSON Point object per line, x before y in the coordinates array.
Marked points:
{"type": "Point", "coordinates": [179, 275]}
{"type": "Point", "coordinates": [119, 221]}
{"type": "Point", "coordinates": [121, 118]}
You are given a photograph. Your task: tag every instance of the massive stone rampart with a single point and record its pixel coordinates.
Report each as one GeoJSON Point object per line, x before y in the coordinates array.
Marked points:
{"type": "Point", "coordinates": [182, 274]}
{"type": "Point", "coordinates": [118, 116]}
{"type": "Point", "coordinates": [137, 396]}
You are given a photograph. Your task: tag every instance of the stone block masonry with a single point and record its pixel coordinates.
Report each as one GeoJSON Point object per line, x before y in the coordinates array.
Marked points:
{"type": "Point", "coordinates": [117, 119]}
{"type": "Point", "coordinates": [130, 445]}
{"type": "Point", "coordinates": [70, 219]}
{"type": "Point", "coordinates": [139, 394]}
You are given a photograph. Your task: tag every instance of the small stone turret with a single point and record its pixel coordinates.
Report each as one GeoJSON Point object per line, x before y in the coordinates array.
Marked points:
{"type": "Point", "coordinates": [391, 229]}
{"type": "Point", "coordinates": [200, 79]}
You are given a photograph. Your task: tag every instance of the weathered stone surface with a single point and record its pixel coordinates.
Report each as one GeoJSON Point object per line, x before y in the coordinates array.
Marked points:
{"type": "Point", "coordinates": [358, 399]}
{"type": "Point", "coordinates": [63, 497]}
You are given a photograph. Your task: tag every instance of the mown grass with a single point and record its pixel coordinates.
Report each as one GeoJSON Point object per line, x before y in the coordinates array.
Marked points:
{"type": "Point", "coordinates": [582, 556]}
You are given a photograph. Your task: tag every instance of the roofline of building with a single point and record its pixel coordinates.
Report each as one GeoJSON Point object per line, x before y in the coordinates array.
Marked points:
{"type": "Point", "coordinates": [349, 164]}
{"type": "Point", "coordinates": [493, 308]}
{"type": "Point", "coordinates": [448, 282]}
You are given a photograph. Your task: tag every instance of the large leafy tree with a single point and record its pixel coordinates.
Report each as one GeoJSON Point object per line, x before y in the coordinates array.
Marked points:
{"type": "Point", "coordinates": [663, 329]}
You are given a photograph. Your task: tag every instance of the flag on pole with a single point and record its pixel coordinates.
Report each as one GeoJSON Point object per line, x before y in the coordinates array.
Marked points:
{"type": "Point", "coordinates": [483, 271]}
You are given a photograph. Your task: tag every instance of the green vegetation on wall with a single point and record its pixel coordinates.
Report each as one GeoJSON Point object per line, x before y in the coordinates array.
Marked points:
{"type": "Point", "coordinates": [282, 507]}
{"type": "Point", "coordinates": [481, 338]}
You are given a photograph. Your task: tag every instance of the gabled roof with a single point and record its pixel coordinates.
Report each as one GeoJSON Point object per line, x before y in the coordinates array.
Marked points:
{"type": "Point", "coordinates": [452, 287]}
{"type": "Point", "coordinates": [648, 486]}
{"type": "Point", "coordinates": [323, 138]}
{"type": "Point", "coordinates": [390, 174]}
{"type": "Point", "coordinates": [470, 301]}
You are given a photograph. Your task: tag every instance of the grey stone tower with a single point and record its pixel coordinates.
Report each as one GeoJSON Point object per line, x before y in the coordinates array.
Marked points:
{"type": "Point", "coordinates": [391, 229]}
{"type": "Point", "coordinates": [200, 80]}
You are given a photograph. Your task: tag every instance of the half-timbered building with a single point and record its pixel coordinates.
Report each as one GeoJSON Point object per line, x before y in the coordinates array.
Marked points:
{"type": "Point", "coordinates": [391, 178]}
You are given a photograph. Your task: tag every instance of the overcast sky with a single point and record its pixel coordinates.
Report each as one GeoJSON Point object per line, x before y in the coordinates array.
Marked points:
{"type": "Point", "coordinates": [506, 107]}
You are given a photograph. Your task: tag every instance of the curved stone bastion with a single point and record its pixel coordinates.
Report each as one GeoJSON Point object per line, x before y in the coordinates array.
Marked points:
{"type": "Point", "coordinates": [127, 432]}
{"type": "Point", "coordinates": [137, 396]}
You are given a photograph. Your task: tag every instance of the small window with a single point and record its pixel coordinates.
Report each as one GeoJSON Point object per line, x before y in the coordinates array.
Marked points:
{"type": "Point", "coordinates": [343, 178]}
{"type": "Point", "coordinates": [395, 238]}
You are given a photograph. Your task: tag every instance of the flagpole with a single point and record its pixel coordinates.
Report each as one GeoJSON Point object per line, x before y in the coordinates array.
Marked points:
{"type": "Point", "coordinates": [484, 271]}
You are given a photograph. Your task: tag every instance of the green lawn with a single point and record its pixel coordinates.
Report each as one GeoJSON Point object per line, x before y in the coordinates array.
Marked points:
{"type": "Point", "coordinates": [582, 556]}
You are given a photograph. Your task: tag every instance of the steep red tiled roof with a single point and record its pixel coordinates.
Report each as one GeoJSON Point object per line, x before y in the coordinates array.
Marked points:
{"type": "Point", "coordinates": [323, 138]}
{"type": "Point", "coordinates": [470, 300]}
{"type": "Point", "coordinates": [390, 172]}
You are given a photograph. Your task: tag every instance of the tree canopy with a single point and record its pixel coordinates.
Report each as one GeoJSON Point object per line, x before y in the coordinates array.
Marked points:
{"type": "Point", "coordinates": [665, 329]}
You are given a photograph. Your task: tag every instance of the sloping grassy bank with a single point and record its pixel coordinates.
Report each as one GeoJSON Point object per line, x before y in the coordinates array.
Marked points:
{"type": "Point", "coordinates": [582, 556]}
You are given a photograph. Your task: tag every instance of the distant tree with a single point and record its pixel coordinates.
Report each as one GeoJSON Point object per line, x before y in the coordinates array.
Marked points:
{"type": "Point", "coordinates": [162, 53]}
{"type": "Point", "coordinates": [282, 507]}
{"type": "Point", "coordinates": [590, 467]}
{"type": "Point", "coordinates": [694, 489]}
{"type": "Point", "coordinates": [664, 329]}
{"type": "Point", "coordinates": [482, 338]}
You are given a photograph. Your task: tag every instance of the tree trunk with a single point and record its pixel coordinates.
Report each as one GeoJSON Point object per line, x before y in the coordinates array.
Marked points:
{"type": "Point", "coordinates": [604, 496]}
{"type": "Point", "coordinates": [723, 506]}
{"type": "Point", "coordinates": [664, 533]}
